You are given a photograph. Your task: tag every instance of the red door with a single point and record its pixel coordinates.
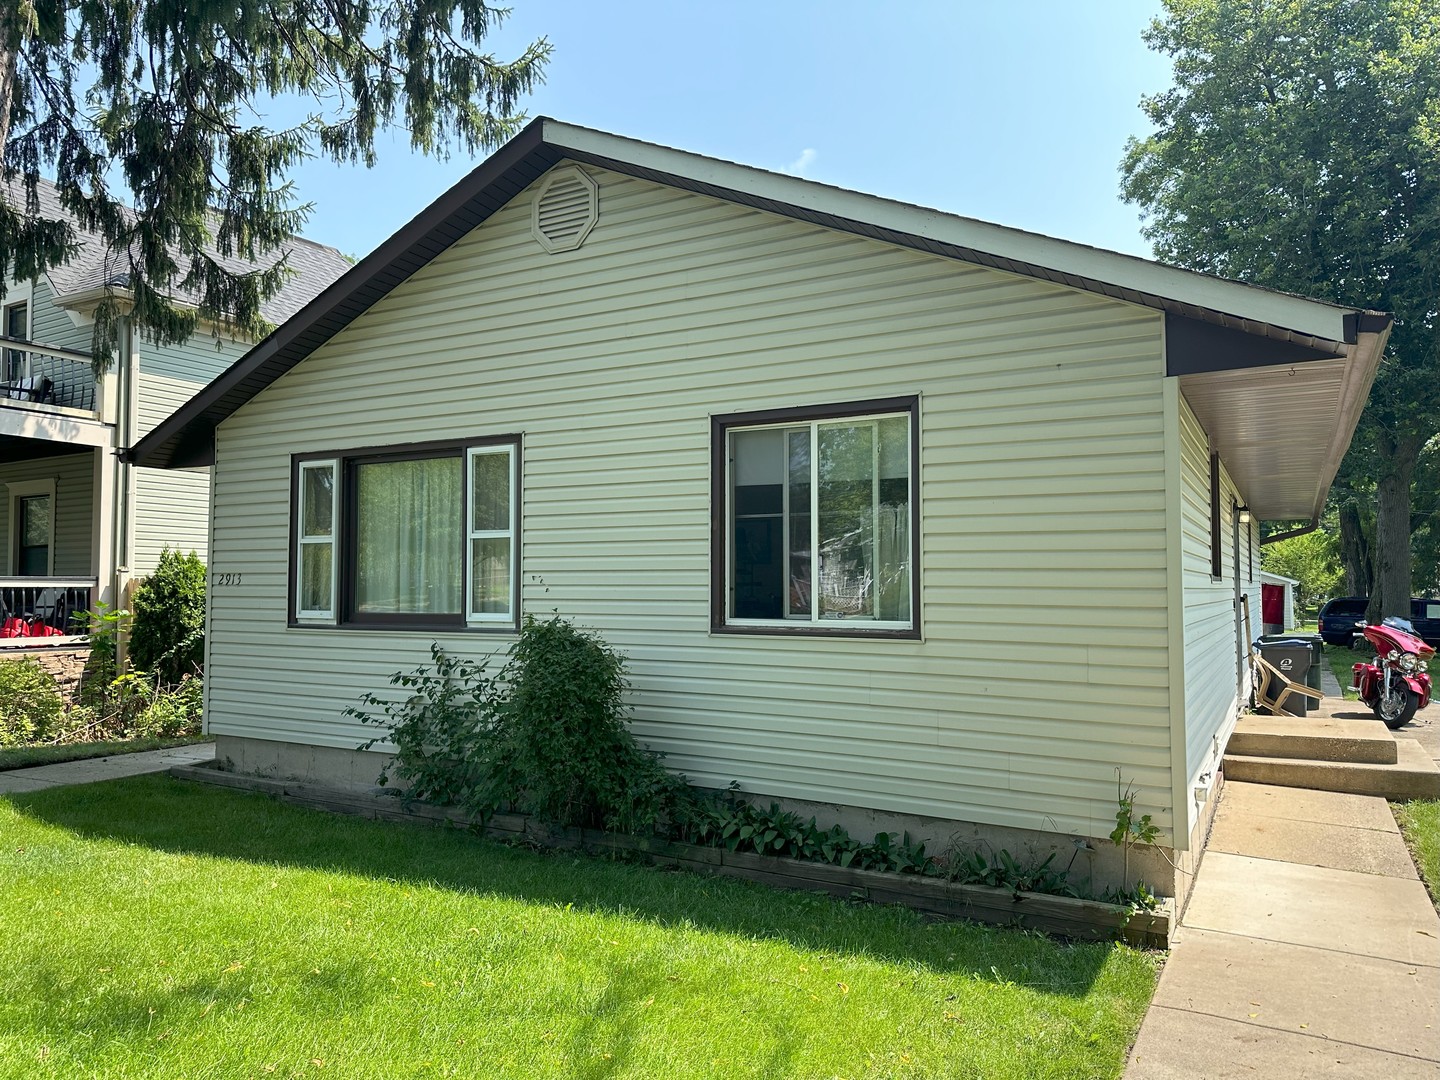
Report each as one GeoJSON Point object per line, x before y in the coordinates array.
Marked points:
{"type": "Point", "coordinates": [1272, 605]}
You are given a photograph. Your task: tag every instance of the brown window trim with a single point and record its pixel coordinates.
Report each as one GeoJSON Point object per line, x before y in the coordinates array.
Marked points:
{"type": "Point", "coordinates": [719, 546]}
{"type": "Point", "coordinates": [1217, 561]}
{"type": "Point", "coordinates": [346, 537]}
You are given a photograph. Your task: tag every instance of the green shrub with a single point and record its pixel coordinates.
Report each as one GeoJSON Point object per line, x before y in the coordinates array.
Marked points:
{"type": "Point", "coordinates": [442, 732]}
{"type": "Point", "coordinates": [30, 702]}
{"type": "Point", "coordinates": [170, 712]}
{"type": "Point", "coordinates": [167, 633]}
{"type": "Point", "coordinates": [563, 752]}
{"type": "Point", "coordinates": [545, 736]}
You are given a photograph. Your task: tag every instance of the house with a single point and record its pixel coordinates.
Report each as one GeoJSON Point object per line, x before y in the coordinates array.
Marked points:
{"type": "Point", "coordinates": [905, 518]}
{"type": "Point", "coordinates": [78, 523]}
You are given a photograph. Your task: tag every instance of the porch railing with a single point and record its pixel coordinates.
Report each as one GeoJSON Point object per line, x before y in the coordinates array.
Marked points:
{"type": "Point", "coordinates": [33, 609]}
{"type": "Point", "coordinates": [46, 374]}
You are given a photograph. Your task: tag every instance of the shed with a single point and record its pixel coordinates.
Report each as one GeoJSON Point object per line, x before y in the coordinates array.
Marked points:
{"type": "Point", "coordinates": [1282, 589]}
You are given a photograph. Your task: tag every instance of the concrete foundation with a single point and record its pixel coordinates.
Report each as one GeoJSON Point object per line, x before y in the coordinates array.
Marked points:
{"type": "Point", "coordinates": [1096, 866]}
{"type": "Point", "coordinates": [351, 770]}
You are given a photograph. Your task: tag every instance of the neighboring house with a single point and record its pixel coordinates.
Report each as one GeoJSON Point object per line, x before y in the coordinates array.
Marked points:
{"type": "Point", "coordinates": [1277, 602]}
{"type": "Point", "coordinates": [76, 522]}
{"type": "Point", "coordinates": [911, 519]}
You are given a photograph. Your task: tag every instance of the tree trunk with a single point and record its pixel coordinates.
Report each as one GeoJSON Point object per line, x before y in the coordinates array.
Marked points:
{"type": "Point", "coordinates": [1391, 595]}
{"type": "Point", "coordinates": [9, 57]}
{"type": "Point", "coordinates": [1355, 551]}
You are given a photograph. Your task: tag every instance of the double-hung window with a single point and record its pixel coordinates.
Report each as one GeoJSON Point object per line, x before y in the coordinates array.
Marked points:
{"type": "Point", "coordinates": [816, 525]}
{"type": "Point", "coordinates": [419, 537]}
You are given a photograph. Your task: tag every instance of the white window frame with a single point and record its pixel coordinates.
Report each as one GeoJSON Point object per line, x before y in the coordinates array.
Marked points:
{"type": "Point", "coordinates": [303, 614]}
{"type": "Point", "coordinates": [814, 621]}
{"type": "Point", "coordinates": [472, 534]}
{"type": "Point", "coordinates": [20, 294]}
{"type": "Point", "coordinates": [26, 489]}
{"type": "Point", "coordinates": [342, 543]}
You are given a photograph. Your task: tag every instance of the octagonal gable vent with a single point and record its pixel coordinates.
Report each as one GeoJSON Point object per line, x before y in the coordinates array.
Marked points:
{"type": "Point", "coordinates": [565, 209]}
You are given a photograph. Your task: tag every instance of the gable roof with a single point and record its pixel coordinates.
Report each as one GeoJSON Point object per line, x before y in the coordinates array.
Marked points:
{"type": "Point", "coordinates": [1292, 329]}
{"type": "Point", "coordinates": [95, 268]}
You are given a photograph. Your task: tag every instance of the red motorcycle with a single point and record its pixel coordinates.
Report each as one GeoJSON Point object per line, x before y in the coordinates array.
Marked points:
{"type": "Point", "coordinates": [1396, 684]}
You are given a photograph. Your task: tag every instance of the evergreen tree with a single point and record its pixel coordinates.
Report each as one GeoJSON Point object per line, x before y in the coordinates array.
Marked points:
{"type": "Point", "coordinates": [160, 104]}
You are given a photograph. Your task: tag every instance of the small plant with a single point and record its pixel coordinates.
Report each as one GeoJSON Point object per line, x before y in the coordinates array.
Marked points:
{"type": "Point", "coordinates": [30, 702]}
{"type": "Point", "coordinates": [736, 825]}
{"type": "Point", "coordinates": [442, 731]}
{"type": "Point", "coordinates": [1002, 870]}
{"type": "Point", "coordinates": [1131, 830]}
{"type": "Point", "coordinates": [103, 626]}
{"type": "Point", "coordinates": [167, 635]}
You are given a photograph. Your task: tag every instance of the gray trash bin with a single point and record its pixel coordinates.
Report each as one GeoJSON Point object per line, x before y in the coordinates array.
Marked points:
{"type": "Point", "coordinates": [1294, 657]}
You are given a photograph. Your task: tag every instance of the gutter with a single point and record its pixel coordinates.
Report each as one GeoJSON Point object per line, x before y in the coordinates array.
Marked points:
{"type": "Point", "coordinates": [1277, 537]}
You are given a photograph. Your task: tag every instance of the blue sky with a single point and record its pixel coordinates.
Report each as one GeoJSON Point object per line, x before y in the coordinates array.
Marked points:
{"type": "Point", "coordinates": [1015, 112]}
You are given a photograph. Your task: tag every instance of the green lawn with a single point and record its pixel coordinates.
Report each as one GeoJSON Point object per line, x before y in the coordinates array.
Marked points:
{"type": "Point", "coordinates": [163, 929]}
{"type": "Point", "coordinates": [1420, 822]}
{"type": "Point", "coordinates": [24, 757]}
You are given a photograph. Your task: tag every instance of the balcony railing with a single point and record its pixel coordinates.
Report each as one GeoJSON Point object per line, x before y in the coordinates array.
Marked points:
{"type": "Point", "coordinates": [37, 610]}
{"type": "Point", "coordinates": [46, 375]}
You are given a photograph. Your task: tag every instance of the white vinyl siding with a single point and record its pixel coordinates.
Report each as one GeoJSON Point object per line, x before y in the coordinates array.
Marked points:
{"type": "Point", "coordinates": [74, 479]}
{"type": "Point", "coordinates": [1211, 699]}
{"type": "Point", "coordinates": [52, 325]}
{"type": "Point", "coordinates": [1043, 665]}
{"type": "Point", "coordinates": [172, 506]}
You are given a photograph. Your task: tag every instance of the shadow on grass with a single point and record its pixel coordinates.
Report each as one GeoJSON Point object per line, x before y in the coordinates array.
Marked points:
{"type": "Point", "coordinates": [186, 818]}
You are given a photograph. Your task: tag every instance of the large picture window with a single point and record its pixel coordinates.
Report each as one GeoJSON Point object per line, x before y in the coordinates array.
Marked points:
{"type": "Point", "coordinates": [422, 537]}
{"type": "Point", "coordinates": [819, 520]}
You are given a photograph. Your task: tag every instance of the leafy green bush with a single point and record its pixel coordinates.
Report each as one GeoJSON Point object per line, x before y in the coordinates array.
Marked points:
{"type": "Point", "coordinates": [562, 750]}
{"type": "Point", "coordinates": [545, 736]}
{"type": "Point", "coordinates": [30, 702]}
{"type": "Point", "coordinates": [442, 732]}
{"type": "Point", "coordinates": [167, 634]}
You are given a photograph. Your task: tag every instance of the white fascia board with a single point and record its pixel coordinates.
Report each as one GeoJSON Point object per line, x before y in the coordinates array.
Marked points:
{"type": "Point", "coordinates": [1281, 310]}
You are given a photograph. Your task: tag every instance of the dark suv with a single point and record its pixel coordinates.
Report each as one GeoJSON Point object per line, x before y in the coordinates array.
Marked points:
{"type": "Point", "coordinates": [1338, 619]}
{"type": "Point", "coordinates": [1339, 616]}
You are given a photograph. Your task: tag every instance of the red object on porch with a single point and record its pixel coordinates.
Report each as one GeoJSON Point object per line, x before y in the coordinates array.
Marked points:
{"type": "Point", "coordinates": [1272, 604]}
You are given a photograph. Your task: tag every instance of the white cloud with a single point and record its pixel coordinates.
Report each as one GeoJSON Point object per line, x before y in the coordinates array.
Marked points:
{"type": "Point", "coordinates": [803, 162]}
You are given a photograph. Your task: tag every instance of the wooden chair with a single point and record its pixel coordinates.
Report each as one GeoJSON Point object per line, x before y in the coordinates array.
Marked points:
{"type": "Point", "coordinates": [1272, 688]}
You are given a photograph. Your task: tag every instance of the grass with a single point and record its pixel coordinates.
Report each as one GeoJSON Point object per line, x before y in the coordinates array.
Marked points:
{"type": "Point", "coordinates": [25, 757]}
{"type": "Point", "coordinates": [163, 929]}
{"type": "Point", "coordinates": [1420, 824]}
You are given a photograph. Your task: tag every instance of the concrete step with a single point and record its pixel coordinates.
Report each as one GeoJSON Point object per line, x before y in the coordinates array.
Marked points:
{"type": "Point", "coordinates": [1413, 776]}
{"type": "Point", "coordinates": [1313, 738]}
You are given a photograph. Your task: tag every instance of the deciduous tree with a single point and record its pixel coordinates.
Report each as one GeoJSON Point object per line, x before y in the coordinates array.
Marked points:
{"type": "Point", "coordinates": [1299, 148]}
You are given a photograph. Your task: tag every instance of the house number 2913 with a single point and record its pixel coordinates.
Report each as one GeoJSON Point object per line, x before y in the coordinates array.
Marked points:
{"type": "Point", "coordinates": [221, 580]}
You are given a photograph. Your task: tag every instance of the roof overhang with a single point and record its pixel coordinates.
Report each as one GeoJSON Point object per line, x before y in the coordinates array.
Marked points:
{"type": "Point", "coordinates": [187, 437]}
{"type": "Point", "coordinates": [1282, 427]}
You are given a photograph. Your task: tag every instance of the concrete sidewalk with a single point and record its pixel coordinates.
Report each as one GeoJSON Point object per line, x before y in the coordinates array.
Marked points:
{"type": "Point", "coordinates": [113, 767]}
{"type": "Point", "coordinates": [1310, 948]}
